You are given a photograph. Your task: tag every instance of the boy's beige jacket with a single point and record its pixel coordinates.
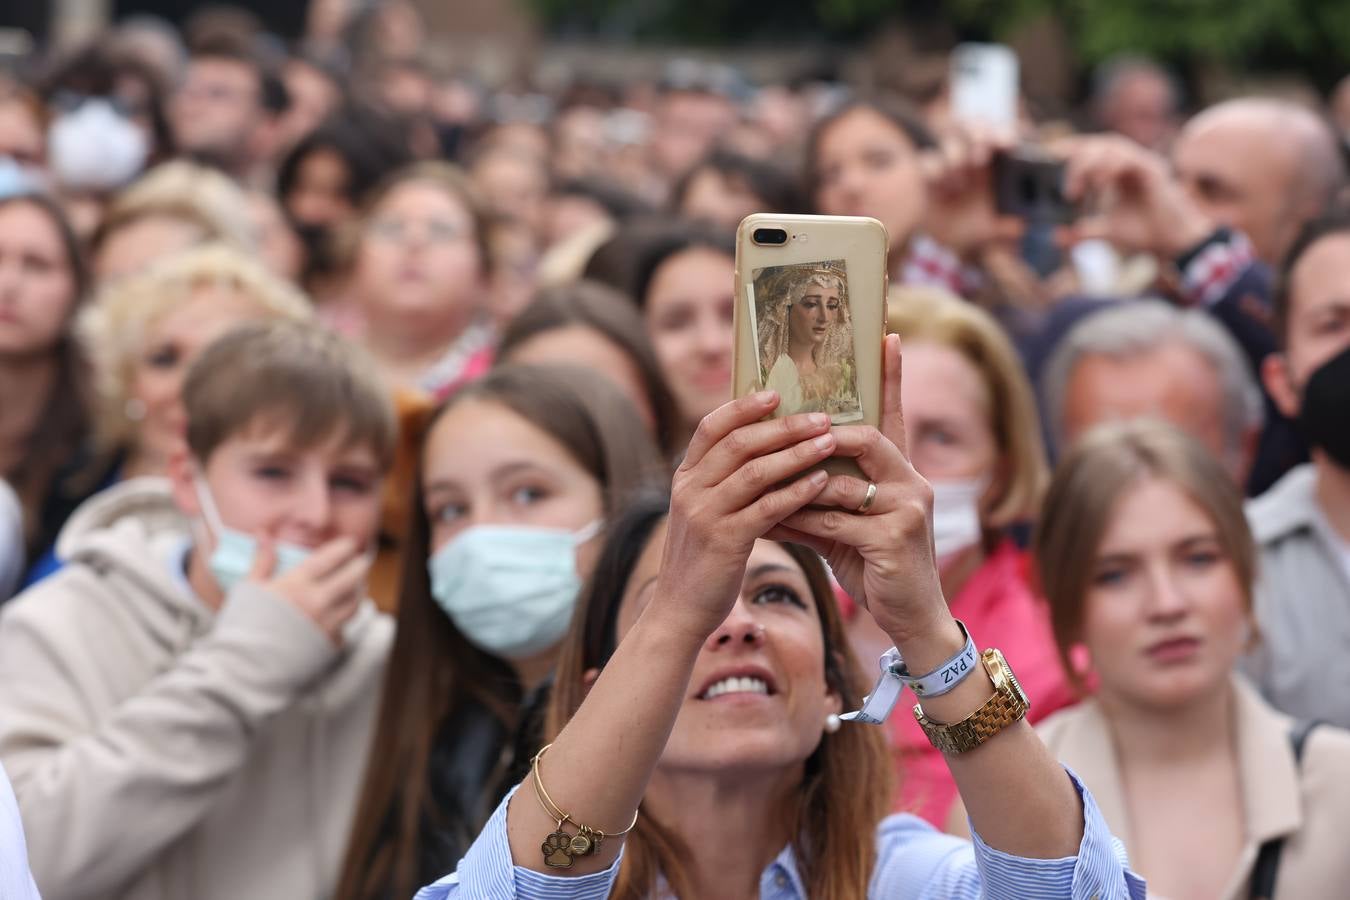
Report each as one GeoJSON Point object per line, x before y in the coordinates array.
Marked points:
{"type": "Point", "coordinates": [1308, 805]}
{"type": "Point", "coordinates": [160, 751]}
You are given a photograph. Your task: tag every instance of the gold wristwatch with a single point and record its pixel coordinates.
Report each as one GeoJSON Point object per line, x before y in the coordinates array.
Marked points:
{"type": "Point", "coordinates": [1008, 704]}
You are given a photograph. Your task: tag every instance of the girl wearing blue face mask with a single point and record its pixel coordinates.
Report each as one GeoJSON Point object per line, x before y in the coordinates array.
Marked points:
{"type": "Point", "coordinates": [519, 473]}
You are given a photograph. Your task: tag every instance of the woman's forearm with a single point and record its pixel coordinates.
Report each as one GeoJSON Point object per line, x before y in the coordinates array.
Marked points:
{"type": "Point", "coordinates": [598, 768]}
{"type": "Point", "coordinates": [1019, 798]}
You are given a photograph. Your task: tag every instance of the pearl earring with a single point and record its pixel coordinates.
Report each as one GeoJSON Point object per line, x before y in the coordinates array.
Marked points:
{"type": "Point", "coordinates": [833, 723]}
{"type": "Point", "coordinates": [135, 409]}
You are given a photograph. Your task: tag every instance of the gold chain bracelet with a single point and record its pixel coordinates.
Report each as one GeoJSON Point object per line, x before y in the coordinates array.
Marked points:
{"type": "Point", "coordinates": [560, 848]}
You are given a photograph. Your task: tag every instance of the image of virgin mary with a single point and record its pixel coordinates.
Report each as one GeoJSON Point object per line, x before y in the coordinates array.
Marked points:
{"type": "Point", "coordinates": [806, 344]}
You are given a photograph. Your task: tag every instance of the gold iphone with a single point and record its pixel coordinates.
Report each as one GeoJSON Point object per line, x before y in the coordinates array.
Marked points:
{"type": "Point", "coordinates": [810, 316]}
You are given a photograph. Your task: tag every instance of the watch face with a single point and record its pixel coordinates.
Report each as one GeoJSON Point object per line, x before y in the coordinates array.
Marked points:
{"type": "Point", "coordinates": [1006, 675]}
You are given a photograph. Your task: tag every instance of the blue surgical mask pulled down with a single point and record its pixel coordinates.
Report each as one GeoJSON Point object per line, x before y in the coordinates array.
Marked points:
{"type": "Point", "coordinates": [235, 551]}
{"type": "Point", "coordinates": [510, 590]}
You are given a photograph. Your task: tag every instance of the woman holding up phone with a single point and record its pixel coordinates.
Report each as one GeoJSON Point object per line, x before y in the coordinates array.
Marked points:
{"type": "Point", "coordinates": [708, 729]}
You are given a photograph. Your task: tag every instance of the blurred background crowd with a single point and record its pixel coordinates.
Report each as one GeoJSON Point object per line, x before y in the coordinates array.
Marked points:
{"type": "Point", "coordinates": [519, 221]}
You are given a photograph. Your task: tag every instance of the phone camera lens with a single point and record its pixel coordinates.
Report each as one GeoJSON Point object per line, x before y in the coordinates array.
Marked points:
{"type": "Point", "coordinates": [772, 236]}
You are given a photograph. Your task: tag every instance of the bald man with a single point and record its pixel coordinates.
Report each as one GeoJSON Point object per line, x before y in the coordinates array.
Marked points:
{"type": "Point", "coordinates": [1262, 167]}
{"type": "Point", "coordinates": [1244, 178]}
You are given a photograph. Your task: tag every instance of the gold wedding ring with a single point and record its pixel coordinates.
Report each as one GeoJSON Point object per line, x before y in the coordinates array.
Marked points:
{"type": "Point", "coordinates": [870, 498]}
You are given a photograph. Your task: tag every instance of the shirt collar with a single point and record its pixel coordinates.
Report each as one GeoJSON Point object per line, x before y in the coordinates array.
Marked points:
{"type": "Point", "coordinates": [1289, 506]}
{"type": "Point", "coordinates": [782, 879]}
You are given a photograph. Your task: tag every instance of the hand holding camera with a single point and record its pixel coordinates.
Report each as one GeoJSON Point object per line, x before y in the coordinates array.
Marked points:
{"type": "Point", "coordinates": [1130, 197]}
{"type": "Point", "coordinates": [963, 213]}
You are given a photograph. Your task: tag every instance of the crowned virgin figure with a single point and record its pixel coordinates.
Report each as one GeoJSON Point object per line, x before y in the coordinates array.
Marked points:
{"type": "Point", "coordinates": [806, 346]}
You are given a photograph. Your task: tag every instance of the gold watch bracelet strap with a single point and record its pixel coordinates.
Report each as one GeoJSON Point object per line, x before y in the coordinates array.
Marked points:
{"type": "Point", "coordinates": [1007, 705]}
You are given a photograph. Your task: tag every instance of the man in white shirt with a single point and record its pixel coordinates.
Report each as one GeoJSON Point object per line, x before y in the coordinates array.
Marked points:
{"type": "Point", "coordinates": [1302, 524]}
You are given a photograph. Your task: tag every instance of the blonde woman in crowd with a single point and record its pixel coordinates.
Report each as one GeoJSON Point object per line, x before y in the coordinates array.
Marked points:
{"type": "Point", "coordinates": [974, 435]}
{"type": "Point", "coordinates": [141, 335]}
{"type": "Point", "coordinates": [1146, 558]}
{"type": "Point", "coordinates": [174, 206]}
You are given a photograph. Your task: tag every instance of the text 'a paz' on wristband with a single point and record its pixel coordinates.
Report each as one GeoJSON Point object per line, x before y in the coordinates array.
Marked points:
{"type": "Point", "coordinates": [945, 677]}
{"type": "Point", "coordinates": [895, 678]}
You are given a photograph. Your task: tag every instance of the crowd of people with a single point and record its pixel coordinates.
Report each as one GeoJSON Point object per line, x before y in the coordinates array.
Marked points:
{"type": "Point", "coordinates": [376, 519]}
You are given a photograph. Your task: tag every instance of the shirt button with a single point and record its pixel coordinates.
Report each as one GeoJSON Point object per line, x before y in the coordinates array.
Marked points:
{"type": "Point", "coordinates": [781, 881]}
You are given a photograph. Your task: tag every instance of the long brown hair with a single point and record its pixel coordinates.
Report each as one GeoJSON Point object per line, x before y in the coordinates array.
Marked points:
{"type": "Point", "coordinates": [61, 433]}
{"type": "Point", "coordinates": [433, 668]}
{"type": "Point", "coordinates": [899, 113]}
{"type": "Point", "coordinates": [600, 308]}
{"type": "Point", "coordinates": [1103, 465]}
{"type": "Point", "coordinates": [846, 791]}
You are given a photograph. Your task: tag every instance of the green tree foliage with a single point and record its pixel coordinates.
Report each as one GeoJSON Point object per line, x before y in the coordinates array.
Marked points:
{"type": "Point", "coordinates": [1312, 36]}
{"type": "Point", "coordinates": [1225, 31]}
{"type": "Point", "coordinates": [718, 21]}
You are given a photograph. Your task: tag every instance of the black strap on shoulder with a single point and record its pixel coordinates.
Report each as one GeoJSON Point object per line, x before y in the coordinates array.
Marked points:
{"type": "Point", "coordinates": [1298, 737]}
{"type": "Point", "coordinates": [1268, 858]}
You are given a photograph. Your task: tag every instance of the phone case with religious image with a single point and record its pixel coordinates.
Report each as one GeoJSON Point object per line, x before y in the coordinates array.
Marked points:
{"type": "Point", "coordinates": [810, 316]}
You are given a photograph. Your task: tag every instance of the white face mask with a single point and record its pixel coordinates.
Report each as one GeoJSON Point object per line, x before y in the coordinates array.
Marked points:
{"type": "Point", "coordinates": [956, 514]}
{"type": "Point", "coordinates": [94, 147]}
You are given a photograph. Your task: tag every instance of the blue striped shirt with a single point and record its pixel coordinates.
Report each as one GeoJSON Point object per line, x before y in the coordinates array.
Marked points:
{"type": "Point", "coordinates": [914, 862]}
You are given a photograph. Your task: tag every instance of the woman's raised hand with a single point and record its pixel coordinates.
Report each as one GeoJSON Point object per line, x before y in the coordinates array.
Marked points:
{"type": "Point", "coordinates": [738, 480]}
{"type": "Point", "coordinates": [883, 557]}
{"type": "Point", "coordinates": [961, 213]}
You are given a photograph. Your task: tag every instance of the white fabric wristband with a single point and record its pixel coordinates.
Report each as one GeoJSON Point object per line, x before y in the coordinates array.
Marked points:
{"type": "Point", "coordinates": [895, 678]}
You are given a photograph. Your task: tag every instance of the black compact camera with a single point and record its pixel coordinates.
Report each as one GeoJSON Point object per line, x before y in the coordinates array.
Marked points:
{"type": "Point", "coordinates": [1030, 185]}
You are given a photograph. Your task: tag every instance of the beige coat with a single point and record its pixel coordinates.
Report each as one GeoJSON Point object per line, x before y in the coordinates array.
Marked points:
{"type": "Point", "coordinates": [1310, 805]}
{"type": "Point", "coordinates": [160, 751]}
